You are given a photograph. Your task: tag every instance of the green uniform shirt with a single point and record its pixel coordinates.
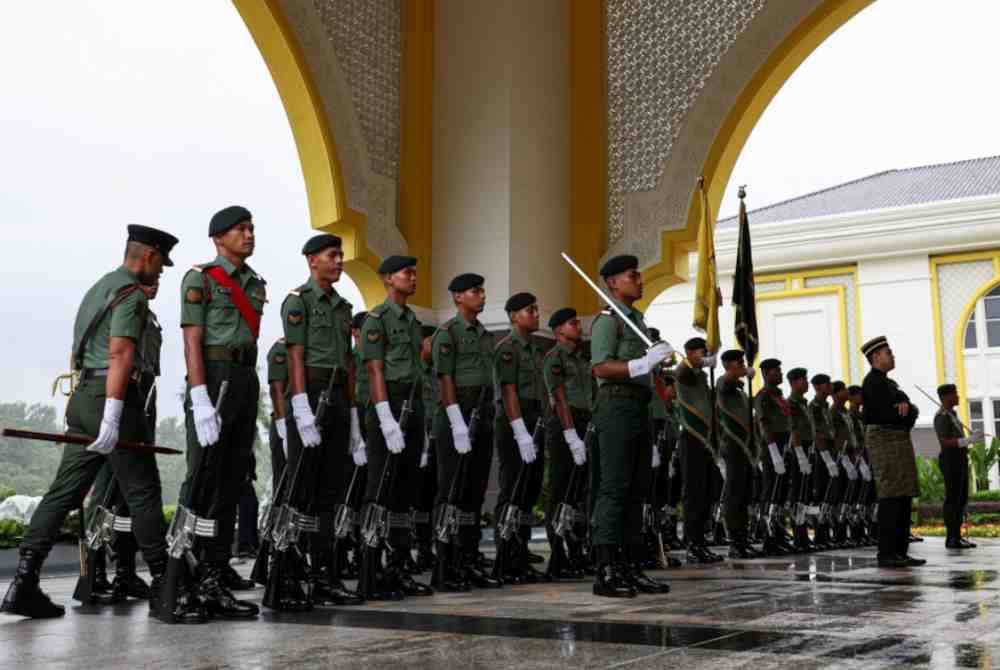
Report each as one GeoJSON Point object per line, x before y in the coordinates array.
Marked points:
{"type": "Point", "coordinates": [205, 303]}
{"type": "Point", "coordinates": [734, 413]}
{"type": "Point", "coordinates": [859, 428]}
{"type": "Point", "coordinates": [127, 319]}
{"type": "Point", "coordinates": [772, 412]}
{"type": "Point", "coordinates": [571, 369]}
{"type": "Point", "coordinates": [822, 422]}
{"type": "Point", "coordinates": [946, 425]}
{"type": "Point", "coordinates": [277, 362]}
{"type": "Point", "coordinates": [392, 333]}
{"type": "Point", "coordinates": [802, 426]}
{"type": "Point", "coordinates": [319, 322]}
{"type": "Point", "coordinates": [612, 340]}
{"type": "Point", "coordinates": [518, 362]}
{"type": "Point", "coordinates": [431, 392]}
{"type": "Point", "coordinates": [464, 351]}
{"type": "Point", "coordinates": [843, 428]}
{"type": "Point", "coordinates": [694, 401]}
{"type": "Point", "coordinates": [361, 391]}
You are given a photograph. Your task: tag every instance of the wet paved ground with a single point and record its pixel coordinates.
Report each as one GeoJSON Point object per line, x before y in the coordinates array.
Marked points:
{"type": "Point", "coordinates": [833, 610]}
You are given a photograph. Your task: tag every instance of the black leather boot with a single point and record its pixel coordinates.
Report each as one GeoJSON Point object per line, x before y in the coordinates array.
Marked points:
{"type": "Point", "coordinates": [445, 579]}
{"type": "Point", "coordinates": [187, 610]}
{"type": "Point", "coordinates": [126, 579]}
{"type": "Point", "coordinates": [425, 556]}
{"type": "Point", "coordinates": [327, 588]}
{"type": "Point", "coordinates": [632, 570]}
{"type": "Point", "coordinates": [218, 599]}
{"type": "Point", "coordinates": [233, 581]}
{"type": "Point", "coordinates": [471, 570]}
{"type": "Point", "coordinates": [404, 581]}
{"type": "Point", "coordinates": [283, 591]}
{"type": "Point", "coordinates": [24, 596]}
{"type": "Point", "coordinates": [609, 582]}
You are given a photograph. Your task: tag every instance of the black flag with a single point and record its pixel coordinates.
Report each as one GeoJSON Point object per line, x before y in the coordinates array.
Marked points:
{"type": "Point", "coordinates": [744, 295]}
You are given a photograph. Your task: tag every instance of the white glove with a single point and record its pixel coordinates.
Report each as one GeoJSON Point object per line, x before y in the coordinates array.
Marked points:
{"type": "Point", "coordinates": [831, 467]}
{"type": "Point", "coordinates": [360, 455]}
{"type": "Point", "coordinates": [776, 459]}
{"type": "Point", "coordinates": [800, 455]}
{"type": "Point", "coordinates": [656, 458]}
{"type": "Point", "coordinates": [975, 438]}
{"type": "Point", "coordinates": [708, 361]}
{"type": "Point", "coordinates": [656, 354]}
{"type": "Point", "coordinates": [207, 422]}
{"type": "Point", "coordinates": [852, 473]}
{"type": "Point", "coordinates": [282, 428]}
{"type": "Point", "coordinates": [751, 373]}
{"type": "Point", "coordinates": [866, 472]}
{"type": "Point", "coordinates": [357, 442]}
{"type": "Point", "coordinates": [305, 421]}
{"type": "Point", "coordinates": [107, 438]}
{"type": "Point", "coordinates": [721, 464]}
{"type": "Point", "coordinates": [459, 431]}
{"type": "Point", "coordinates": [425, 457]}
{"type": "Point", "coordinates": [579, 451]}
{"type": "Point", "coordinates": [393, 434]}
{"type": "Point", "coordinates": [525, 444]}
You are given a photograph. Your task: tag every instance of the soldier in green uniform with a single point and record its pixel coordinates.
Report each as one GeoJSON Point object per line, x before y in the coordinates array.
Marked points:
{"type": "Point", "coordinates": [423, 504]}
{"type": "Point", "coordinates": [277, 383]}
{"type": "Point", "coordinates": [736, 444]}
{"type": "Point", "coordinates": [569, 383]}
{"type": "Point", "coordinates": [801, 441]}
{"type": "Point", "coordinates": [889, 417]}
{"type": "Point", "coordinates": [107, 403]}
{"type": "Point", "coordinates": [518, 374]}
{"type": "Point", "coordinates": [390, 347]}
{"type": "Point", "coordinates": [825, 480]}
{"type": "Point", "coordinates": [462, 358]}
{"type": "Point", "coordinates": [868, 495]}
{"type": "Point", "coordinates": [105, 492]}
{"type": "Point", "coordinates": [954, 463]}
{"type": "Point", "coordinates": [317, 325]}
{"type": "Point", "coordinates": [667, 477]}
{"type": "Point", "coordinates": [664, 439]}
{"type": "Point", "coordinates": [351, 569]}
{"type": "Point", "coordinates": [773, 415]}
{"type": "Point", "coordinates": [846, 446]}
{"type": "Point", "coordinates": [623, 457]}
{"type": "Point", "coordinates": [221, 306]}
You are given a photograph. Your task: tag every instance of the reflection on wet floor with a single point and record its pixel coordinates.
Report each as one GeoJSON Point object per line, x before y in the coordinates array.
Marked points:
{"type": "Point", "coordinates": [834, 609]}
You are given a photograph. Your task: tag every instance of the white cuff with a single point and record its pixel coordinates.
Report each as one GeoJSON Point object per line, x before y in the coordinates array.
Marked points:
{"type": "Point", "coordinates": [113, 410]}
{"type": "Point", "coordinates": [637, 367]}
{"type": "Point", "coordinates": [384, 412]}
{"type": "Point", "coordinates": [455, 417]}
{"type": "Point", "coordinates": [199, 395]}
{"type": "Point", "coordinates": [520, 430]}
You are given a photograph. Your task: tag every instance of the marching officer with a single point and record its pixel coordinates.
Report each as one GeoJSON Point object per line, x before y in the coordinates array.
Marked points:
{"type": "Point", "coordinates": [107, 403]}
{"type": "Point", "coordinates": [317, 325]}
{"type": "Point", "coordinates": [570, 385]}
{"type": "Point", "coordinates": [736, 445]}
{"type": "Point", "coordinates": [391, 340]}
{"type": "Point", "coordinates": [462, 359]}
{"type": "Point", "coordinates": [623, 457]}
{"type": "Point", "coordinates": [221, 306]}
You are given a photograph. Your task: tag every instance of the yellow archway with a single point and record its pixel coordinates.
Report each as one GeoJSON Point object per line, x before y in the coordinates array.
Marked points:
{"type": "Point", "coordinates": [959, 341]}
{"type": "Point", "coordinates": [741, 120]}
{"type": "Point", "coordinates": [314, 141]}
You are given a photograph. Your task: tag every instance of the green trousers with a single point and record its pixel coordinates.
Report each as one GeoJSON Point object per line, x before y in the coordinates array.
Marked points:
{"type": "Point", "coordinates": [624, 467]}
{"type": "Point", "coordinates": [137, 475]}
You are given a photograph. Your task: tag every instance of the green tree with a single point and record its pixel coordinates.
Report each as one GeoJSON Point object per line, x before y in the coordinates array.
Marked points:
{"type": "Point", "coordinates": [28, 466]}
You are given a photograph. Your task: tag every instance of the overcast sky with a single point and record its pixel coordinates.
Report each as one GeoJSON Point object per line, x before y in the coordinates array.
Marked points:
{"type": "Point", "coordinates": [115, 112]}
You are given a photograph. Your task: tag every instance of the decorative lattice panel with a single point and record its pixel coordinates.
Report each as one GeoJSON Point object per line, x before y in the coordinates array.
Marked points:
{"type": "Point", "coordinates": [769, 286]}
{"type": "Point", "coordinates": [957, 283]}
{"type": "Point", "coordinates": [367, 38]}
{"type": "Point", "coordinates": [660, 53]}
{"type": "Point", "coordinates": [850, 298]}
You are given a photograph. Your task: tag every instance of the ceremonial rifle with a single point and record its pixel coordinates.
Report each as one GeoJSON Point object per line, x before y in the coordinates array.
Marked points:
{"type": "Point", "coordinates": [260, 566]}
{"type": "Point", "coordinates": [447, 524]}
{"type": "Point", "coordinates": [100, 534]}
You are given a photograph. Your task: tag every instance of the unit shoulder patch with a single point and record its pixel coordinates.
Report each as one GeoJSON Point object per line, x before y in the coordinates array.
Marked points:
{"type": "Point", "coordinates": [194, 295]}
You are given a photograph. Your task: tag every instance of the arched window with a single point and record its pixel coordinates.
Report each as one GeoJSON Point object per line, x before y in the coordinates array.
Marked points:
{"type": "Point", "coordinates": [982, 363]}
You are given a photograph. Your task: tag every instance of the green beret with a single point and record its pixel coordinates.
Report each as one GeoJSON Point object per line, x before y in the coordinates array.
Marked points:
{"type": "Point", "coordinates": [770, 364]}
{"type": "Point", "coordinates": [695, 343]}
{"type": "Point", "coordinates": [318, 243]}
{"type": "Point", "coordinates": [839, 386]}
{"type": "Point", "coordinates": [731, 355]}
{"type": "Point", "coordinates": [394, 264]}
{"type": "Point", "coordinates": [519, 301]}
{"type": "Point", "coordinates": [797, 373]}
{"type": "Point", "coordinates": [358, 320]}
{"type": "Point", "coordinates": [464, 282]}
{"type": "Point", "coordinates": [946, 389]}
{"type": "Point", "coordinates": [226, 218]}
{"type": "Point", "coordinates": [619, 264]}
{"type": "Point", "coordinates": [561, 316]}
{"type": "Point", "coordinates": [820, 379]}
{"type": "Point", "coordinates": [151, 237]}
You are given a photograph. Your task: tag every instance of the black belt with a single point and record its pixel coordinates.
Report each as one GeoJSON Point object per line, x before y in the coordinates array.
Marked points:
{"type": "Point", "coordinates": [322, 375]}
{"type": "Point", "coordinates": [399, 388]}
{"type": "Point", "coordinates": [101, 373]}
{"type": "Point", "coordinates": [245, 356]}
{"type": "Point", "coordinates": [632, 391]}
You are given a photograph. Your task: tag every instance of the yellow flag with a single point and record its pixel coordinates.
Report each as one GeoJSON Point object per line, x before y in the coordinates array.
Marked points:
{"type": "Point", "coordinates": [707, 297]}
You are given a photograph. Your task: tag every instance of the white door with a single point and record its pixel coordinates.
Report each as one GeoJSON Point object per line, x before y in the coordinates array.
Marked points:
{"type": "Point", "coordinates": [803, 331]}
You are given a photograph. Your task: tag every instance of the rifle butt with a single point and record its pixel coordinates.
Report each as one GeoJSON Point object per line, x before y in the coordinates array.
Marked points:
{"type": "Point", "coordinates": [260, 566]}
{"type": "Point", "coordinates": [84, 591]}
{"type": "Point", "coordinates": [172, 584]}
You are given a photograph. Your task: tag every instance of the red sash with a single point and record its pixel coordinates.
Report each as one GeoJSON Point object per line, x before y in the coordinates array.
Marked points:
{"type": "Point", "coordinates": [786, 409]}
{"type": "Point", "coordinates": [238, 297]}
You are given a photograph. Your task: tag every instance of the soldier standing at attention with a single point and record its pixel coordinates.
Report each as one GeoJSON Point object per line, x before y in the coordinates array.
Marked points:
{"type": "Point", "coordinates": [846, 446]}
{"type": "Point", "coordinates": [773, 415]}
{"type": "Point", "coordinates": [317, 325]}
{"type": "Point", "coordinates": [352, 569]}
{"type": "Point", "coordinates": [889, 417]}
{"type": "Point", "coordinates": [391, 339]}
{"type": "Point", "coordinates": [518, 373]}
{"type": "Point", "coordinates": [107, 335]}
{"type": "Point", "coordinates": [667, 485]}
{"type": "Point", "coordinates": [221, 305]}
{"type": "Point", "coordinates": [570, 385]}
{"type": "Point", "coordinates": [622, 365]}
{"type": "Point", "coordinates": [695, 446]}
{"type": "Point", "coordinates": [277, 386]}
{"type": "Point", "coordinates": [426, 484]}
{"type": "Point", "coordinates": [801, 441]}
{"type": "Point", "coordinates": [954, 464]}
{"type": "Point", "coordinates": [826, 477]}
{"type": "Point", "coordinates": [868, 495]}
{"type": "Point", "coordinates": [734, 429]}
{"type": "Point", "coordinates": [462, 358]}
